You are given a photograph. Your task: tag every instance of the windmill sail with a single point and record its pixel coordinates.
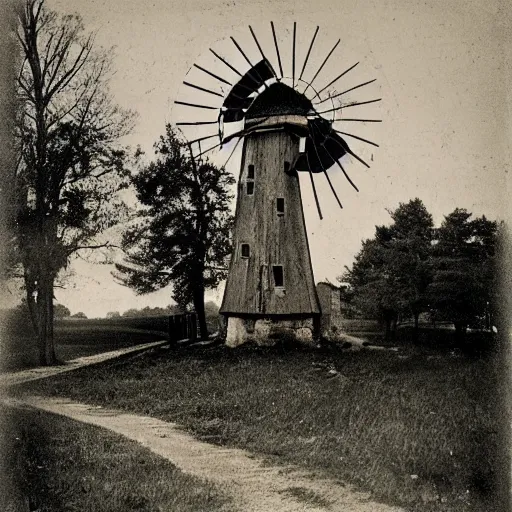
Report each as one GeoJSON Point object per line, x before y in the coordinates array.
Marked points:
{"type": "Point", "coordinates": [243, 92]}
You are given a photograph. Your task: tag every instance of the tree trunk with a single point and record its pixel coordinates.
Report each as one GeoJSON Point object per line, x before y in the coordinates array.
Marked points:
{"type": "Point", "coordinates": [45, 313]}
{"type": "Point", "coordinates": [416, 326]}
{"type": "Point", "coordinates": [460, 332]}
{"type": "Point", "coordinates": [388, 328]}
{"type": "Point", "coordinates": [41, 314]}
{"type": "Point", "coordinates": [199, 307]}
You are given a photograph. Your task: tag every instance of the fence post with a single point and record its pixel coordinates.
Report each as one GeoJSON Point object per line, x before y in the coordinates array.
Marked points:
{"type": "Point", "coordinates": [172, 330]}
{"type": "Point", "coordinates": [193, 319]}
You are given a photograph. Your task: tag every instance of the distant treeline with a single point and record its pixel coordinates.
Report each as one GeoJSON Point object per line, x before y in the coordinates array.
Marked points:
{"type": "Point", "coordinates": [412, 268]}
{"type": "Point", "coordinates": [211, 310]}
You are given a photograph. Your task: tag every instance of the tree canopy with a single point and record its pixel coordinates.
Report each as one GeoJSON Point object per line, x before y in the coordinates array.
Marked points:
{"type": "Point", "coordinates": [409, 267]}
{"type": "Point", "coordinates": [70, 162]}
{"type": "Point", "coordinates": [181, 235]}
{"type": "Point", "coordinates": [390, 273]}
{"type": "Point", "coordinates": [463, 268]}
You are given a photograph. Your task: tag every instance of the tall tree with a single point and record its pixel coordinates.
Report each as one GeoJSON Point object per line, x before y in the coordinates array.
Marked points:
{"type": "Point", "coordinates": [182, 233]}
{"type": "Point", "coordinates": [391, 273]}
{"type": "Point", "coordinates": [409, 247]}
{"type": "Point", "coordinates": [369, 285]}
{"type": "Point", "coordinates": [70, 163]}
{"type": "Point", "coordinates": [464, 269]}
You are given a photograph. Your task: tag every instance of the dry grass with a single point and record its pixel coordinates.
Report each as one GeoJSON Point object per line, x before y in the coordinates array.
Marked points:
{"type": "Point", "coordinates": [52, 463]}
{"type": "Point", "coordinates": [416, 429]}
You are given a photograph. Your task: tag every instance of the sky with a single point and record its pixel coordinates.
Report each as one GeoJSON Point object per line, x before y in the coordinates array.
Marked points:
{"type": "Point", "coordinates": [440, 70]}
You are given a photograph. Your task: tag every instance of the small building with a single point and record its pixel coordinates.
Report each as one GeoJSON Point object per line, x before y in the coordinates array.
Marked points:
{"type": "Point", "coordinates": [330, 305]}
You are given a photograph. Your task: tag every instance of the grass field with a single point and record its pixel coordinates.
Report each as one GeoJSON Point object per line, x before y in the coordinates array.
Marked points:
{"type": "Point", "coordinates": [50, 464]}
{"type": "Point", "coordinates": [416, 428]}
{"type": "Point", "coordinates": [79, 337]}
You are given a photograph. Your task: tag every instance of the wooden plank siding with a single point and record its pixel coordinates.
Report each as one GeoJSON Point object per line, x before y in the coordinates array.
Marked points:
{"type": "Point", "coordinates": [273, 239]}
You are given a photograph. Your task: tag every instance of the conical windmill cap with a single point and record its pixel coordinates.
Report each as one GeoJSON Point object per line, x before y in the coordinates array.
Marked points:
{"type": "Point", "coordinates": [279, 99]}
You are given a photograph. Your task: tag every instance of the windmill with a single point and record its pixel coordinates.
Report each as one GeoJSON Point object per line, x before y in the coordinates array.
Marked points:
{"type": "Point", "coordinates": [284, 125]}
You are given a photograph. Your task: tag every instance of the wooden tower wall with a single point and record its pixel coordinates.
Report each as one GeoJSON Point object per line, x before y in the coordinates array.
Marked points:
{"type": "Point", "coordinates": [273, 239]}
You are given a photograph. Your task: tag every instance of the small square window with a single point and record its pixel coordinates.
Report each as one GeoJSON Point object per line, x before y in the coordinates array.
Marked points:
{"type": "Point", "coordinates": [280, 205]}
{"type": "Point", "coordinates": [250, 172]}
{"type": "Point", "coordinates": [250, 188]}
{"type": "Point", "coordinates": [278, 275]}
{"type": "Point", "coordinates": [246, 251]}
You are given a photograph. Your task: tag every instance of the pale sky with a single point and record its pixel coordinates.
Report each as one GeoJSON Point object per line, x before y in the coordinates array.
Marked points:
{"type": "Point", "coordinates": [440, 70]}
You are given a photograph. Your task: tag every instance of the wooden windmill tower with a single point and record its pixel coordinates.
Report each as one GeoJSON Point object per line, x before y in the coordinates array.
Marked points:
{"type": "Point", "coordinates": [270, 286]}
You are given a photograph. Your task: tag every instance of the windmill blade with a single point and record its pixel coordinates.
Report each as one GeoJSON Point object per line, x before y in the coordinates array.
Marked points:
{"type": "Point", "coordinates": [348, 105]}
{"type": "Point", "coordinates": [224, 61]}
{"type": "Point", "coordinates": [232, 152]}
{"type": "Point", "coordinates": [241, 51]}
{"type": "Point", "coordinates": [323, 64]}
{"type": "Point", "coordinates": [358, 138]}
{"type": "Point", "coordinates": [343, 144]}
{"type": "Point", "coordinates": [346, 175]}
{"type": "Point", "coordinates": [195, 105]}
{"type": "Point", "coordinates": [239, 98]}
{"type": "Point", "coordinates": [314, 189]}
{"type": "Point", "coordinates": [203, 89]}
{"type": "Point", "coordinates": [325, 172]}
{"type": "Point", "coordinates": [332, 188]}
{"type": "Point", "coordinates": [248, 84]}
{"type": "Point", "coordinates": [196, 123]}
{"type": "Point", "coordinates": [204, 138]}
{"type": "Point", "coordinates": [350, 152]}
{"type": "Point", "coordinates": [356, 104]}
{"type": "Point", "coordinates": [344, 147]}
{"type": "Point", "coordinates": [336, 79]}
{"type": "Point", "coordinates": [293, 54]}
{"type": "Point", "coordinates": [257, 43]}
{"type": "Point", "coordinates": [322, 134]}
{"type": "Point", "coordinates": [359, 120]}
{"type": "Point", "coordinates": [345, 92]}
{"type": "Point", "coordinates": [277, 49]}
{"type": "Point", "coordinates": [204, 70]}
{"type": "Point", "coordinates": [309, 52]}
{"type": "Point", "coordinates": [253, 68]}
{"type": "Point", "coordinates": [261, 51]}
{"type": "Point", "coordinates": [331, 137]}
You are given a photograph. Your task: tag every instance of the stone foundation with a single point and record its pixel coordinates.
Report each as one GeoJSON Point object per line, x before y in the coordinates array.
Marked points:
{"type": "Point", "coordinates": [268, 331]}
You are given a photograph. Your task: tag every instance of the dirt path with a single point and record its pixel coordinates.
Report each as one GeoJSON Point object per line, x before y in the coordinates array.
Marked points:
{"type": "Point", "coordinates": [254, 485]}
{"type": "Point", "coordinates": [13, 378]}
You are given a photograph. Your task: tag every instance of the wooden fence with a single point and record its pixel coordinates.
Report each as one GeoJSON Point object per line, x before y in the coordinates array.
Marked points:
{"type": "Point", "coordinates": [182, 327]}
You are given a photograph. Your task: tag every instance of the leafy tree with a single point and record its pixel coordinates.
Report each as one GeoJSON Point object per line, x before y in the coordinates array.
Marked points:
{"type": "Point", "coordinates": [391, 272]}
{"type": "Point", "coordinates": [79, 315]}
{"type": "Point", "coordinates": [369, 286]}
{"type": "Point", "coordinates": [70, 165]}
{"type": "Point", "coordinates": [61, 311]}
{"type": "Point", "coordinates": [464, 277]}
{"type": "Point", "coordinates": [113, 314]}
{"type": "Point", "coordinates": [182, 233]}
{"type": "Point", "coordinates": [408, 243]}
